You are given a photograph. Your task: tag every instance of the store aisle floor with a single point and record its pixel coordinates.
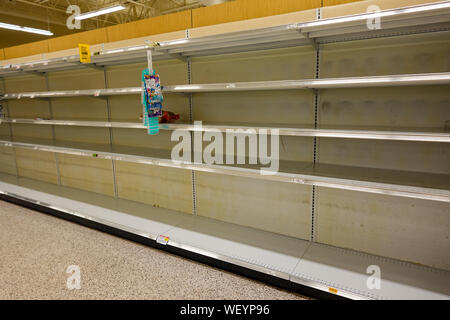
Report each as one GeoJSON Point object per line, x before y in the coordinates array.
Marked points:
{"type": "Point", "coordinates": [36, 249]}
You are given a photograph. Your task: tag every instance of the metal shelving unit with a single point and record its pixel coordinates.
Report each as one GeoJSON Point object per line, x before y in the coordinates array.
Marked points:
{"type": "Point", "coordinates": [323, 267]}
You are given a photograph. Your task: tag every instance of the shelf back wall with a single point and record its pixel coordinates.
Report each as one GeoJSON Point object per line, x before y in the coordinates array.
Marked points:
{"type": "Point", "coordinates": [403, 228]}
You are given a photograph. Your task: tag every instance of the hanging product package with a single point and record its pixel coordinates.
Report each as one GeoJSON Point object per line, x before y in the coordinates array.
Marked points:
{"type": "Point", "coordinates": [152, 99]}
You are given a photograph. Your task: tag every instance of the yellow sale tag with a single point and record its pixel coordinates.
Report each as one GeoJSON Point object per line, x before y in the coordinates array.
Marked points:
{"type": "Point", "coordinates": [85, 53]}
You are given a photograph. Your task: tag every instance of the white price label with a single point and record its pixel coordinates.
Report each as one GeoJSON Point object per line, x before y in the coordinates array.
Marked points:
{"type": "Point", "coordinates": [162, 239]}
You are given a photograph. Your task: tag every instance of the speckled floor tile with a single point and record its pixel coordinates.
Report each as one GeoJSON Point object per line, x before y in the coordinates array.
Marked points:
{"type": "Point", "coordinates": [36, 249]}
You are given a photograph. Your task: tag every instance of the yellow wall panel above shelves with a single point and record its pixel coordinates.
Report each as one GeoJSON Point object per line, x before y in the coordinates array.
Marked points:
{"type": "Point", "coordinates": [71, 41]}
{"type": "Point", "coordinates": [222, 13]}
{"type": "Point", "coordinates": [327, 3]}
{"type": "Point", "coordinates": [264, 22]}
{"type": "Point", "coordinates": [27, 49]}
{"type": "Point", "coordinates": [247, 9]}
{"type": "Point", "coordinates": [264, 8]}
{"type": "Point", "coordinates": [146, 27]}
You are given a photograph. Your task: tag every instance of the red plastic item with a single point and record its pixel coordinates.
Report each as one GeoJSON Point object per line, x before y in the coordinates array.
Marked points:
{"type": "Point", "coordinates": [168, 117]}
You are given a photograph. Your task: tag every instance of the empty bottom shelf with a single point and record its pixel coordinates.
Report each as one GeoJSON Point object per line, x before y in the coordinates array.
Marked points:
{"type": "Point", "coordinates": [334, 270]}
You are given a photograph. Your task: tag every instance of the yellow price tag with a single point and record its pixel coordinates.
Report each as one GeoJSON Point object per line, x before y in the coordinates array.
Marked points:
{"type": "Point", "coordinates": [85, 53]}
{"type": "Point", "coordinates": [333, 290]}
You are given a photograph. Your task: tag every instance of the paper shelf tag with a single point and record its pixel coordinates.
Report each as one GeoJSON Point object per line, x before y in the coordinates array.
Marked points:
{"type": "Point", "coordinates": [162, 239]}
{"type": "Point", "coordinates": [85, 54]}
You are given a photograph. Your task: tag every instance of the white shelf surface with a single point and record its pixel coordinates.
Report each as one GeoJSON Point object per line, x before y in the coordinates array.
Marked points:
{"type": "Point", "coordinates": [72, 93]}
{"type": "Point", "coordinates": [328, 83]}
{"type": "Point", "coordinates": [81, 207]}
{"type": "Point", "coordinates": [345, 270]}
{"type": "Point", "coordinates": [82, 123]}
{"type": "Point", "coordinates": [255, 249]}
{"type": "Point", "coordinates": [418, 185]}
{"type": "Point", "coordinates": [300, 261]}
{"type": "Point", "coordinates": [346, 132]}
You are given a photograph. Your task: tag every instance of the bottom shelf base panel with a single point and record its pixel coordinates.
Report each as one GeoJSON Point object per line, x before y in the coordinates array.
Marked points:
{"type": "Point", "coordinates": [316, 269]}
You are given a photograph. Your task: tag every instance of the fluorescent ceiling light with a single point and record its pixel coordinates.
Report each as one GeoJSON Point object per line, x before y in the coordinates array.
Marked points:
{"type": "Point", "coordinates": [99, 12]}
{"type": "Point", "coordinates": [25, 29]}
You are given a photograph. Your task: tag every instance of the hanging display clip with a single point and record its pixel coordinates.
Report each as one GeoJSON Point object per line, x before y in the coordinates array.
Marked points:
{"type": "Point", "coordinates": [152, 97]}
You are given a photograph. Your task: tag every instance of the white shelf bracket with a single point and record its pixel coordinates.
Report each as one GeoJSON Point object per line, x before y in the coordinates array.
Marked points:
{"type": "Point", "coordinates": [92, 65]}
{"type": "Point", "coordinates": [35, 72]}
{"type": "Point", "coordinates": [312, 41]}
{"type": "Point", "coordinates": [177, 56]}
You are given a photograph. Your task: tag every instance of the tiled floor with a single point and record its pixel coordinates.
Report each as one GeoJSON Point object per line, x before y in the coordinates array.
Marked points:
{"type": "Point", "coordinates": [36, 250]}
